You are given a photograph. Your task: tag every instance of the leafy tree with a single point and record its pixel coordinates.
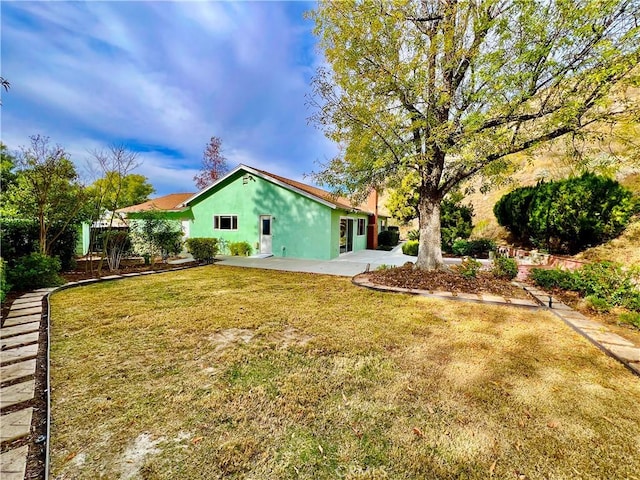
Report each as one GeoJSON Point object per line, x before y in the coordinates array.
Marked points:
{"type": "Point", "coordinates": [119, 191]}
{"type": "Point", "coordinates": [568, 215]}
{"type": "Point", "coordinates": [47, 189]}
{"type": "Point", "coordinates": [115, 189]}
{"type": "Point", "coordinates": [153, 235]}
{"type": "Point", "coordinates": [8, 176]}
{"type": "Point", "coordinates": [449, 90]}
{"type": "Point", "coordinates": [403, 200]}
{"type": "Point", "coordinates": [19, 238]}
{"type": "Point", "coordinates": [214, 164]}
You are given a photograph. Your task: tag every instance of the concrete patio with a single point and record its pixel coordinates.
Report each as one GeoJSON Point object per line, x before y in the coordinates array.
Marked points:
{"type": "Point", "coordinates": [346, 265]}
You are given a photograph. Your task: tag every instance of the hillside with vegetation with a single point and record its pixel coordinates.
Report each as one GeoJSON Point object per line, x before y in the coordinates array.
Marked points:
{"type": "Point", "coordinates": [611, 150]}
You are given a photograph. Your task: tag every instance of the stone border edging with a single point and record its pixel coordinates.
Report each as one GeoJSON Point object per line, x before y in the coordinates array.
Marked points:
{"type": "Point", "coordinates": [15, 459]}
{"type": "Point", "coordinates": [612, 344]}
{"type": "Point", "coordinates": [361, 280]}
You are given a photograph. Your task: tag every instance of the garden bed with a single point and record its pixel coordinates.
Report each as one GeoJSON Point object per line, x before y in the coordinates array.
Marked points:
{"type": "Point", "coordinates": [446, 280]}
{"type": "Point", "coordinates": [83, 270]}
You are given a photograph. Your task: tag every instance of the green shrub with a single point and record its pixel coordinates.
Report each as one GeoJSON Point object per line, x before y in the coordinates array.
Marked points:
{"type": "Point", "coordinates": [389, 238]}
{"type": "Point", "coordinates": [597, 304]}
{"type": "Point", "coordinates": [411, 248]}
{"type": "Point", "coordinates": [203, 249]}
{"type": "Point", "coordinates": [19, 238]}
{"type": "Point", "coordinates": [455, 221]}
{"type": "Point", "coordinates": [478, 248]}
{"type": "Point", "coordinates": [413, 235]}
{"type": "Point", "coordinates": [35, 271]}
{"type": "Point", "coordinates": [602, 280]}
{"type": "Point", "coordinates": [384, 266]}
{"type": "Point", "coordinates": [569, 215]}
{"type": "Point", "coordinates": [630, 318]}
{"type": "Point", "coordinates": [553, 278]}
{"type": "Point", "coordinates": [460, 247]}
{"type": "Point", "coordinates": [4, 286]}
{"type": "Point", "coordinates": [242, 249]}
{"type": "Point", "coordinates": [469, 267]}
{"type": "Point", "coordinates": [632, 302]}
{"type": "Point", "coordinates": [505, 267]}
{"type": "Point", "coordinates": [153, 234]}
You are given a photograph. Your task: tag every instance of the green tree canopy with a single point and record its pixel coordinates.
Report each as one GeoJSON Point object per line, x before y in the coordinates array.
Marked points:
{"type": "Point", "coordinates": [451, 89]}
{"type": "Point", "coordinates": [122, 190]}
{"type": "Point", "coordinates": [8, 177]}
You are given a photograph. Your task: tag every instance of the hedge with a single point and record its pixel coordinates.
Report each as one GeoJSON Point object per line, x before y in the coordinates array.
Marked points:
{"type": "Point", "coordinates": [20, 237]}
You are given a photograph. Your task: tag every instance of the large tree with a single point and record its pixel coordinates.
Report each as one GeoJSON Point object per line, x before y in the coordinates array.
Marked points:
{"type": "Point", "coordinates": [214, 164]}
{"type": "Point", "coordinates": [451, 89]}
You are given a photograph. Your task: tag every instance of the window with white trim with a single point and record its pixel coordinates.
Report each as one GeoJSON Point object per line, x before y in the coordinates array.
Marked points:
{"type": "Point", "coordinates": [225, 222]}
{"type": "Point", "coordinates": [361, 226]}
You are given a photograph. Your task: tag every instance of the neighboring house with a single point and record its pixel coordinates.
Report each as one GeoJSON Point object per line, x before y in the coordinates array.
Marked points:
{"type": "Point", "coordinates": [282, 217]}
{"type": "Point", "coordinates": [170, 206]}
{"type": "Point", "coordinates": [275, 215]}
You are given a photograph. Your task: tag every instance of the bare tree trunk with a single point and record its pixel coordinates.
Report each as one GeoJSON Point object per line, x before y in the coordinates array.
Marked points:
{"type": "Point", "coordinates": [43, 235]}
{"type": "Point", "coordinates": [430, 249]}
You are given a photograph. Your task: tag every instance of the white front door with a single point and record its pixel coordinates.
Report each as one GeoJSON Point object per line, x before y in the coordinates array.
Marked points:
{"type": "Point", "coordinates": [265, 234]}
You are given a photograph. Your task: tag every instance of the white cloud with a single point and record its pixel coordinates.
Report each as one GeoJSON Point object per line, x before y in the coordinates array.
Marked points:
{"type": "Point", "coordinates": [163, 76]}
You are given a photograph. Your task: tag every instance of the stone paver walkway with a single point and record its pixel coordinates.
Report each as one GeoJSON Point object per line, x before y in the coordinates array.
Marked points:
{"type": "Point", "coordinates": [19, 336]}
{"type": "Point", "coordinates": [610, 343]}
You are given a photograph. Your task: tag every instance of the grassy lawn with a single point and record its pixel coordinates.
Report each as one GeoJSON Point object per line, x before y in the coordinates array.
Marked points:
{"type": "Point", "coordinates": [218, 372]}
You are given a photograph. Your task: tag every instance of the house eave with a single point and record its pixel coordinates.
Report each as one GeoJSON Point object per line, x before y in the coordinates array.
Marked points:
{"type": "Point", "coordinates": [267, 178]}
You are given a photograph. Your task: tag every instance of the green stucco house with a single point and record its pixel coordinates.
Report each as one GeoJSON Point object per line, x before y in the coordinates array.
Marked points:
{"type": "Point", "coordinates": [275, 215]}
{"type": "Point", "coordinates": [281, 217]}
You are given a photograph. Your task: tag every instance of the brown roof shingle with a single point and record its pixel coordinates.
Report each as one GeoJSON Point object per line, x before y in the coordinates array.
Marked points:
{"type": "Point", "coordinates": [167, 203]}
{"type": "Point", "coordinates": [340, 202]}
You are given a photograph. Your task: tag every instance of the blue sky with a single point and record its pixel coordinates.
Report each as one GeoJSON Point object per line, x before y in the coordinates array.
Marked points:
{"type": "Point", "coordinates": [162, 78]}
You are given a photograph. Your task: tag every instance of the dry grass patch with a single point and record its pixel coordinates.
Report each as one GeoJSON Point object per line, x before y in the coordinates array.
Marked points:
{"type": "Point", "coordinates": [221, 372]}
{"type": "Point", "coordinates": [625, 249]}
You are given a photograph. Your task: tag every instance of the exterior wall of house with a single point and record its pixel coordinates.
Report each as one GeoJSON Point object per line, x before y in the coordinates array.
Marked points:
{"type": "Point", "coordinates": [300, 227]}
{"type": "Point", "coordinates": [359, 241]}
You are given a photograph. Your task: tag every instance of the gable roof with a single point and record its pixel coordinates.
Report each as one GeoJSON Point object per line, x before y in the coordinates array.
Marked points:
{"type": "Point", "coordinates": [314, 193]}
{"type": "Point", "coordinates": [168, 203]}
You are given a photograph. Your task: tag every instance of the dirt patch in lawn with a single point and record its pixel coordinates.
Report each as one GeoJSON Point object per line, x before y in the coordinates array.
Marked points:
{"type": "Point", "coordinates": [230, 337]}
{"type": "Point", "coordinates": [446, 281]}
